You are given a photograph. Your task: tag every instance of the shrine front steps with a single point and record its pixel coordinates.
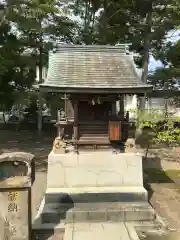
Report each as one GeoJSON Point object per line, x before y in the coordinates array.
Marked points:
{"type": "Point", "coordinates": [62, 206]}
{"type": "Point", "coordinates": [47, 231]}
{"type": "Point", "coordinates": [96, 194]}
{"type": "Point", "coordinates": [96, 204]}
{"type": "Point", "coordinates": [93, 212]}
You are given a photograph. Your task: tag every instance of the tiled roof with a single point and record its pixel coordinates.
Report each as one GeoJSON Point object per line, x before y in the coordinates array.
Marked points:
{"type": "Point", "coordinates": [78, 66]}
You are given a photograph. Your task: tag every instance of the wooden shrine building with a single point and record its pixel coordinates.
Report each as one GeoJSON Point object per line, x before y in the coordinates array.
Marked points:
{"type": "Point", "coordinates": [94, 80]}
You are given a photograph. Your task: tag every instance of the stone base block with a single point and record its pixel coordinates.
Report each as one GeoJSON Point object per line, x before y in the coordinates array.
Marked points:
{"type": "Point", "coordinates": [94, 169]}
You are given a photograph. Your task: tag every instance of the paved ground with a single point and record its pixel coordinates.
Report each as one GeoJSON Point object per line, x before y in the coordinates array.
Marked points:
{"type": "Point", "coordinates": [101, 231]}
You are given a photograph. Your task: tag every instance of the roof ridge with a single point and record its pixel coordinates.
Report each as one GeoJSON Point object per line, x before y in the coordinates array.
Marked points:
{"type": "Point", "coordinates": [121, 47]}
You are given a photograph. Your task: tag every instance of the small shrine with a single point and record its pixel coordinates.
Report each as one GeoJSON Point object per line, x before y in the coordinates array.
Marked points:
{"type": "Point", "coordinates": [89, 178]}
{"type": "Point", "coordinates": [94, 80]}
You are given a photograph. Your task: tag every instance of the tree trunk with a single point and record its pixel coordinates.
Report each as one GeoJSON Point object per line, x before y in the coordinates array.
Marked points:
{"type": "Point", "coordinates": [4, 117]}
{"type": "Point", "coordinates": [147, 47]}
{"type": "Point", "coordinates": [40, 81]}
{"type": "Point", "coordinates": [40, 60]}
{"type": "Point", "coordinates": [105, 6]}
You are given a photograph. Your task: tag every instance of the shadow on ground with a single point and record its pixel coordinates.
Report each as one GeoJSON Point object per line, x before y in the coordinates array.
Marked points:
{"type": "Point", "coordinates": [65, 203]}
{"type": "Point", "coordinates": [26, 141]}
{"type": "Point", "coordinates": [152, 162]}
{"type": "Point", "coordinates": [154, 175]}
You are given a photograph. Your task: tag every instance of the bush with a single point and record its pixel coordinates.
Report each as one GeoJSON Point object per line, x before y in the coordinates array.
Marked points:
{"type": "Point", "coordinates": [164, 129]}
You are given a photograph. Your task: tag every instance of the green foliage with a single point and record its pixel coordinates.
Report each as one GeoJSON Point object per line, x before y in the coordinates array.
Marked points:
{"type": "Point", "coordinates": [39, 24]}
{"type": "Point", "coordinates": [166, 76]}
{"type": "Point", "coordinates": [126, 21]}
{"type": "Point", "coordinates": [163, 128]}
{"type": "Point", "coordinates": [28, 30]}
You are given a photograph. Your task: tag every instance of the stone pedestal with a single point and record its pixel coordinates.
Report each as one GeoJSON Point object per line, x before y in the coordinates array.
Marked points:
{"type": "Point", "coordinates": [94, 170]}
{"type": "Point", "coordinates": [93, 187]}
{"type": "Point", "coordinates": [95, 177]}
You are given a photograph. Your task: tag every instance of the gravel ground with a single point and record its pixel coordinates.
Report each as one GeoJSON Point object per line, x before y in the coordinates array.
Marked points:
{"type": "Point", "coordinates": [166, 200]}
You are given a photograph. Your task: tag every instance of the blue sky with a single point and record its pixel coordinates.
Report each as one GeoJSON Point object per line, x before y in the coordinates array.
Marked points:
{"type": "Point", "coordinates": [172, 36]}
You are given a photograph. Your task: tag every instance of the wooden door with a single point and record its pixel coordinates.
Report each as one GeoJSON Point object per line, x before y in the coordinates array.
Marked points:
{"type": "Point", "coordinates": [85, 111]}
{"type": "Point", "coordinates": [97, 112]}
{"type": "Point", "coordinates": [114, 130]}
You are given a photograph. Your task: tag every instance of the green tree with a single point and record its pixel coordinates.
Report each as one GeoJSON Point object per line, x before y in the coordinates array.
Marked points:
{"type": "Point", "coordinates": [28, 30]}
{"type": "Point", "coordinates": [17, 72]}
{"type": "Point", "coordinates": [40, 23]}
{"type": "Point", "coordinates": [144, 23]}
{"type": "Point", "coordinates": [168, 75]}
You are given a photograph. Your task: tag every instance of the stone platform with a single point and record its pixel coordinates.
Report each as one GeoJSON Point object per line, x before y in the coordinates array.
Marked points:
{"type": "Point", "coordinates": [94, 169]}
{"type": "Point", "coordinates": [93, 187]}
{"type": "Point", "coordinates": [95, 177]}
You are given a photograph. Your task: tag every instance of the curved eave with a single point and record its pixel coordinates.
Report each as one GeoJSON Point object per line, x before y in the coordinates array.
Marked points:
{"type": "Point", "coordinates": [131, 89]}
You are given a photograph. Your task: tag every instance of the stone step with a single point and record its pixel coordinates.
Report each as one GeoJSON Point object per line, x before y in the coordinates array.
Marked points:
{"type": "Point", "coordinates": [98, 212]}
{"type": "Point", "coordinates": [94, 126]}
{"type": "Point", "coordinates": [87, 135]}
{"type": "Point", "coordinates": [48, 231]}
{"type": "Point", "coordinates": [94, 194]}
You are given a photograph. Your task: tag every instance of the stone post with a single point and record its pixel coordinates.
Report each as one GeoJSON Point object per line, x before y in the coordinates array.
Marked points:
{"type": "Point", "coordinates": [16, 177]}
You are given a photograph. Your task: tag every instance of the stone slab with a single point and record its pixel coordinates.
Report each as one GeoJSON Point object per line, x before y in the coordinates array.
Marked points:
{"type": "Point", "coordinates": [94, 169]}
{"type": "Point", "coordinates": [100, 231]}
{"type": "Point", "coordinates": [14, 214]}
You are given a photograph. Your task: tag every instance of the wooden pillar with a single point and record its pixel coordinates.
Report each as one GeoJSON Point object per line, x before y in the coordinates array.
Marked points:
{"type": "Point", "coordinates": [65, 98]}
{"type": "Point", "coordinates": [76, 120]}
{"type": "Point", "coordinates": [113, 108]}
{"type": "Point", "coordinates": [70, 109]}
{"type": "Point", "coordinates": [121, 105]}
{"type": "Point", "coordinates": [58, 121]}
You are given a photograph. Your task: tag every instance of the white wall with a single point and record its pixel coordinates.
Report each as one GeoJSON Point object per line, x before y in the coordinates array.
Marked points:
{"type": "Point", "coordinates": [153, 103]}
{"type": "Point", "coordinates": [157, 103]}
{"type": "Point", "coordinates": [130, 102]}
{"type": "Point", "coordinates": [44, 73]}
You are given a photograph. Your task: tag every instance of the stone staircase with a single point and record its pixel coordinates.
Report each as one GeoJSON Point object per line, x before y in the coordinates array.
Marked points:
{"type": "Point", "coordinates": [102, 212]}
{"type": "Point", "coordinates": [57, 210]}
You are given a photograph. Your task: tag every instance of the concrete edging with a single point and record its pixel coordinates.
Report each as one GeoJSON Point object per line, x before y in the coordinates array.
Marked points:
{"type": "Point", "coordinates": [132, 231]}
